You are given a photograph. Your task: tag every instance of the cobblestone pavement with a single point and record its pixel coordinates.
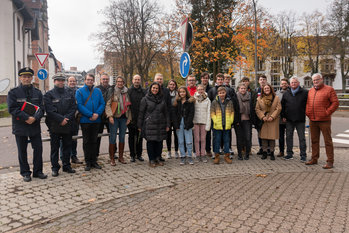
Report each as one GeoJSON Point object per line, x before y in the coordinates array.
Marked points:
{"type": "Point", "coordinates": [246, 196]}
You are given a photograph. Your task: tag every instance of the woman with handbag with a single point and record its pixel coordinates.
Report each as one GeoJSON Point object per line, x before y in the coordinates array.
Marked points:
{"type": "Point", "coordinates": [118, 112]}
{"type": "Point", "coordinates": [154, 122]}
{"type": "Point", "coordinates": [268, 110]}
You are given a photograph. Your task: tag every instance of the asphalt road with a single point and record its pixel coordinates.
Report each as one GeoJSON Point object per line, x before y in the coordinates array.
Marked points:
{"type": "Point", "coordinates": [8, 154]}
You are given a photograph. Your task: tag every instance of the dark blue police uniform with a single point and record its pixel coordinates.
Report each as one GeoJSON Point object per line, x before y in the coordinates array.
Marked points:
{"type": "Point", "coordinates": [15, 99]}
{"type": "Point", "coordinates": [60, 104]}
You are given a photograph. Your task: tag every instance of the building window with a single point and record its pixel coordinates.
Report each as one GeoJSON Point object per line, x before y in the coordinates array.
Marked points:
{"type": "Point", "coordinates": [18, 29]}
{"type": "Point", "coordinates": [275, 68]}
{"type": "Point", "coordinates": [327, 66]}
{"type": "Point", "coordinates": [347, 81]}
{"type": "Point", "coordinates": [275, 80]}
{"type": "Point", "coordinates": [19, 65]}
{"type": "Point", "coordinates": [328, 81]}
{"type": "Point", "coordinates": [307, 82]}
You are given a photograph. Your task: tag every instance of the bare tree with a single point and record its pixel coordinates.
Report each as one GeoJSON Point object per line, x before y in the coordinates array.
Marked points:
{"type": "Point", "coordinates": [338, 19]}
{"type": "Point", "coordinates": [312, 41]}
{"type": "Point", "coordinates": [285, 24]}
{"type": "Point", "coordinates": [131, 30]}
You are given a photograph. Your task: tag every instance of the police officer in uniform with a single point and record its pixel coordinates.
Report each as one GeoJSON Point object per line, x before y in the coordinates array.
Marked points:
{"type": "Point", "coordinates": [60, 107]}
{"type": "Point", "coordinates": [26, 123]}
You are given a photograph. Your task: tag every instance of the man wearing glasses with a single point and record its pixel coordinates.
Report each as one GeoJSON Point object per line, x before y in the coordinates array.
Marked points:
{"type": "Point", "coordinates": [322, 102]}
{"type": "Point", "coordinates": [191, 84]}
{"type": "Point", "coordinates": [91, 105]}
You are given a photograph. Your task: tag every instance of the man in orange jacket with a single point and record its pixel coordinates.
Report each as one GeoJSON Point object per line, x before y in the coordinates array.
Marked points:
{"type": "Point", "coordinates": [322, 102]}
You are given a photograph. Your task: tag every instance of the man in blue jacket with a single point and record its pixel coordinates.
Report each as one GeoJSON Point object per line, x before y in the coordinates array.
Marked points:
{"type": "Point", "coordinates": [91, 105]}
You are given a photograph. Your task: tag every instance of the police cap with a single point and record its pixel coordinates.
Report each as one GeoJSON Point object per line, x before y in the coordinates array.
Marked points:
{"type": "Point", "coordinates": [59, 76]}
{"type": "Point", "coordinates": [25, 70]}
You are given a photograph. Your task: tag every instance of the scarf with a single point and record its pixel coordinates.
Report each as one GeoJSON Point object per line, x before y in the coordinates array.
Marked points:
{"type": "Point", "coordinates": [199, 97]}
{"type": "Point", "coordinates": [294, 91]}
{"type": "Point", "coordinates": [123, 100]}
{"type": "Point", "coordinates": [268, 101]}
{"type": "Point", "coordinates": [244, 102]}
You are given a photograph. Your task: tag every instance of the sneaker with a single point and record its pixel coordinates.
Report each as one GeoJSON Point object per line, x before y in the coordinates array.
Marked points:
{"type": "Point", "coordinates": [199, 158]}
{"type": "Point", "coordinates": [303, 159]}
{"type": "Point", "coordinates": [176, 154]}
{"type": "Point", "coordinates": [288, 157]}
{"type": "Point", "coordinates": [190, 160]}
{"type": "Point", "coordinates": [182, 161]}
{"type": "Point", "coordinates": [194, 155]}
{"type": "Point", "coordinates": [169, 155]}
{"type": "Point", "coordinates": [221, 151]}
{"type": "Point", "coordinates": [204, 159]}
{"type": "Point", "coordinates": [231, 152]}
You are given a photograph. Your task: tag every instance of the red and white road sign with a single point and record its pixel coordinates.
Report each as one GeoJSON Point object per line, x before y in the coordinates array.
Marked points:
{"type": "Point", "coordinates": [183, 31]}
{"type": "Point", "coordinates": [41, 57]}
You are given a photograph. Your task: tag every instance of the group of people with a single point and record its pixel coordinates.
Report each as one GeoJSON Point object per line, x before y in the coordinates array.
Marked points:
{"type": "Point", "coordinates": [197, 115]}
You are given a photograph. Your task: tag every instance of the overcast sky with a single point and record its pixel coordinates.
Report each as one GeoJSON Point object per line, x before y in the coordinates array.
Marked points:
{"type": "Point", "coordinates": [71, 22]}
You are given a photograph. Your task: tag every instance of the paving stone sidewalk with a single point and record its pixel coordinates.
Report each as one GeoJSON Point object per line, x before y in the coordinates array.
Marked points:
{"type": "Point", "coordinates": [203, 197]}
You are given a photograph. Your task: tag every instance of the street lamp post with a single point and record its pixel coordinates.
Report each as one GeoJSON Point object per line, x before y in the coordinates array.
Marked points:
{"type": "Point", "coordinates": [255, 42]}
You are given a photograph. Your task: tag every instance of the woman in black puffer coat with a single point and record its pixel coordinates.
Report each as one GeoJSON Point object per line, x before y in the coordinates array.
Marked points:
{"type": "Point", "coordinates": [154, 122]}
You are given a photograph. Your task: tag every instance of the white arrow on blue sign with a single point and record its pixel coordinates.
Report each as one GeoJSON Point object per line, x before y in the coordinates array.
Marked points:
{"type": "Point", "coordinates": [184, 65]}
{"type": "Point", "coordinates": [42, 74]}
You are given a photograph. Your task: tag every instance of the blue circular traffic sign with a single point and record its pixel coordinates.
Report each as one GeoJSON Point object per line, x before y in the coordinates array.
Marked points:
{"type": "Point", "coordinates": [42, 74]}
{"type": "Point", "coordinates": [184, 65]}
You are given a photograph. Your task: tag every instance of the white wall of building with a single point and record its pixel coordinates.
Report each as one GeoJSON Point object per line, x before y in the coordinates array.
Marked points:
{"type": "Point", "coordinates": [9, 61]}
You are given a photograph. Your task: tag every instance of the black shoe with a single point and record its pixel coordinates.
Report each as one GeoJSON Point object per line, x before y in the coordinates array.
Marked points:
{"type": "Point", "coordinates": [265, 155]}
{"type": "Point", "coordinates": [161, 159]}
{"type": "Point", "coordinates": [260, 152]}
{"type": "Point", "coordinates": [40, 176]}
{"type": "Point", "coordinates": [247, 157]}
{"type": "Point", "coordinates": [240, 157]}
{"type": "Point", "coordinates": [27, 178]}
{"type": "Point", "coordinates": [140, 158]}
{"type": "Point", "coordinates": [133, 159]}
{"type": "Point", "coordinates": [87, 168]}
{"type": "Point", "coordinates": [272, 156]}
{"type": "Point", "coordinates": [55, 173]}
{"type": "Point", "coordinates": [75, 160]}
{"type": "Point", "coordinates": [96, 165]}
{"type": "Point", "coordinates": [69, 170]}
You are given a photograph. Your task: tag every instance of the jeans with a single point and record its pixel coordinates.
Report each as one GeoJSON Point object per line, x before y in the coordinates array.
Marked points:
{"type": "Point", "coordinates": [154, 149]}
{"type": "Point", "coordinates": [325, 128]}
{"type": "Point", "coordinates": [66, 141]}
{"type": "Point", "coordinates": [185, 136]}
{"type": "Point", "coordinates": [300, 127]}
{"type": "Point", "coordinates": [119, 123]}
{"type": "Point", "coordinates": [243, 137]}
{"type": "Point", "coordinates": [200, 135]}
{"type": "Point", "coordinates": [208, 140]}
{"type": "Point", "coordinates": [169, 139]}
{"type": "Point", "coordinates": [218, 136]}
{"type": "Point", "coordinates": [89, 141]}
{"type": "Point", "coordinates": [282, 132]}
{"type": "Point", "coordinates": [22, 143]}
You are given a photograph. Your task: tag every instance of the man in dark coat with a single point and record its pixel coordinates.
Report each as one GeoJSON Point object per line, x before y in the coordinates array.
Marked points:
{"type": "Point", "coordinates": [73, 154]}
{"type": "Point", "coordinates": [26, 122]}
{"type": "Point", "coordinates": [159, 78]}
{"type": "Point", "coordinates": [107, 91]}
{"type": "Point", "coordinates": [135, 141]}
{"type": "Point", "coordinates": [60, 107]}
{"type": "Point", "coordinates": [294, 103]}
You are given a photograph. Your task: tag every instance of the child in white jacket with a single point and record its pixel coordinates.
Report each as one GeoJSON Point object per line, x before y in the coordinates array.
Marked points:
{"type": "Point", "coordinates": [202, 121]}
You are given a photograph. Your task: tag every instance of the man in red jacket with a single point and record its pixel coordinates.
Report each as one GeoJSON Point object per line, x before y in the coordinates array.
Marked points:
{"type": "Point", "coordinates": [322, 102]}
